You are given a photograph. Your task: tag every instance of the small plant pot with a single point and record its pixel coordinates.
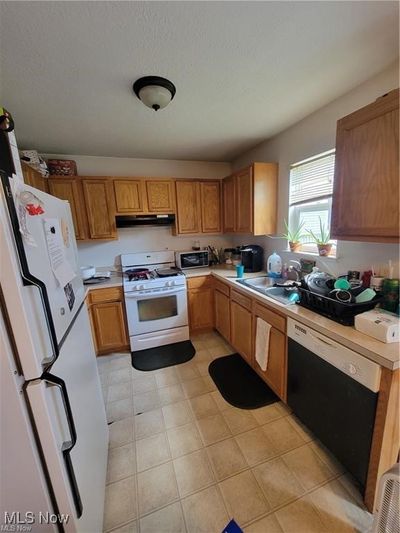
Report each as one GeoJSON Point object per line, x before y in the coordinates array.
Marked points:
{"type": "Point", "coordinates": [294, 246]}
{"type": "Point", "coordinates": [324, 249]}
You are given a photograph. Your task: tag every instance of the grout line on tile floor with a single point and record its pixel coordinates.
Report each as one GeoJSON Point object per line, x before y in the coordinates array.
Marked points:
{"type": "Point", "coordinates": [336, 475]}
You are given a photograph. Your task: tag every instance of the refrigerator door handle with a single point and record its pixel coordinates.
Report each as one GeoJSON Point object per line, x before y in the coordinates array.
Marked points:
{"type": "Point", "coordinates": [67, 446]}
{"type": "Point", "coordinates": [30, 279]}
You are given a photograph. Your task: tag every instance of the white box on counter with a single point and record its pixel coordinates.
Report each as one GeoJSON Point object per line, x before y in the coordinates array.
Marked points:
{"type": "Point", "coordinates": [379, 324]}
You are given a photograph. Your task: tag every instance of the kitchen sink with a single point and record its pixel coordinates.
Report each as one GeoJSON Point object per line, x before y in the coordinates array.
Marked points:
{"type": "Point", "coordinates": [261, 282]}
{"type": "Point", "coordinates": [265, 285]}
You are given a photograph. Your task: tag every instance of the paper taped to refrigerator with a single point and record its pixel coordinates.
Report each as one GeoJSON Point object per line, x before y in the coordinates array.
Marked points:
{"type": "Point", "coordinates": [55, 246]}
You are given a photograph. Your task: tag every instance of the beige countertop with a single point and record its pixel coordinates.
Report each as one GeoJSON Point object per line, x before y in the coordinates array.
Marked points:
{"type": "Point", "coordinates": [114, 281]}
{"type": "Point", "coordinates": [387, 355]}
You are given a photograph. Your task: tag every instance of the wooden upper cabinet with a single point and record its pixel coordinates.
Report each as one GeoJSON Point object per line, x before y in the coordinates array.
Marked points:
{"type": "Point", "coordinates": [365, 203]}
{"type": "Point", "coordinates": [210, 196]}
{"type": "Point", "coordinates": [34, 178]}
{"type": "Point", "coordinates": [70, 189]}
{"type": "Point", "coordinates": [250, 200]}
{"type": "Point", "coordinates": [129, 196]}
{"type": "Point", "coordinates": [160, 196]}
{"type": "Point", "coordinates": [198, 206]}
{"type": "Point", "coordinates": [100, 208]}
{"type": "Point", "coordinates": [244, 201]}
{"type": "Point", "coordinates": [228, 188]}
{"type": "Point", "coordinates": [187, 207]}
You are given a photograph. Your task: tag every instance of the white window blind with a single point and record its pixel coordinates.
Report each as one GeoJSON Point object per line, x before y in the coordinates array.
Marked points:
{"type": "Point", "coordinates": [312, 179]}
{"type": "Point", "coordinates": [310, 197]}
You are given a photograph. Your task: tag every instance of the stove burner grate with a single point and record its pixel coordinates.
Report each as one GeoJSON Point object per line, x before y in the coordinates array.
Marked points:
{"type": "Point", "coordinates": [136, 274]}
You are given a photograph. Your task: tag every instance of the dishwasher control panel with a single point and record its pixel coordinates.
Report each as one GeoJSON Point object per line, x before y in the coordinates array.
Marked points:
{"type": "Point", "coordinates": [351, 363]}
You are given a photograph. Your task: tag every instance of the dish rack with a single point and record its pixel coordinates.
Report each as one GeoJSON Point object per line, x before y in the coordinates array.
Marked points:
{"type": "Point", "coordinates": [341, 312]}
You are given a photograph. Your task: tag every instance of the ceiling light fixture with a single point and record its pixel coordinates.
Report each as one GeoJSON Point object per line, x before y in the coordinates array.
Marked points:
{"type": "Point", "coordinates": [154, 92]}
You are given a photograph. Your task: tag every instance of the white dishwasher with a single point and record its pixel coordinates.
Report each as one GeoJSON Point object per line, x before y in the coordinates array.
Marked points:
{"type": "Point", "coordinates": [334, 392]}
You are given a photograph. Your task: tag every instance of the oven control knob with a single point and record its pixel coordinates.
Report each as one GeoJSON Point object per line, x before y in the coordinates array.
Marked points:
{"type": "Point", "coordinates": [141, 287]}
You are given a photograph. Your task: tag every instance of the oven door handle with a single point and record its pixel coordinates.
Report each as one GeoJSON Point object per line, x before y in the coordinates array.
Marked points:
{"type": "Point", "coordinates": [138, 295]}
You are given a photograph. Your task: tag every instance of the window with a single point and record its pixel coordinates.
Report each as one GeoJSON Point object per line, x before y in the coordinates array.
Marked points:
{"type": "Point", "coordinates": [310, 196]}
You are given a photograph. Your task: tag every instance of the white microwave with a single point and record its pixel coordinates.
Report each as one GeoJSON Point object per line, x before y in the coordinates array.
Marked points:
{"type": "Point", "coordinates": [192, 259]}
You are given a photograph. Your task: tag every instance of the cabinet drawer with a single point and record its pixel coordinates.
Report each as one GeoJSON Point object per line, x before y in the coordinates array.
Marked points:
{"type": "Point", "coordinates": [199, 282]}
{"type": "Point", "coordinates": [270, 316]}
{"type": "Point", "coordinates": [109, 294]}
{"type": "Point", "coordinates": [221, 287]}
{"type": "Point", "coordinates": [240, 299]}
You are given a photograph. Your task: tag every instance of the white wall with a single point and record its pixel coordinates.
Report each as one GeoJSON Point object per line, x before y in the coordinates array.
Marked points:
{"type": "Point", "coordinates": [123, 166]}
{"type": "Point", "coordinates": [140, 239]}
{"type": "Point", "coordinates": [313, 135]}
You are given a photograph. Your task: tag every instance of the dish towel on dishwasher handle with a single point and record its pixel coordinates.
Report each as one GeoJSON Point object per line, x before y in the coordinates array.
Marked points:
{"type": "Point", "coordinates": [262, 343]}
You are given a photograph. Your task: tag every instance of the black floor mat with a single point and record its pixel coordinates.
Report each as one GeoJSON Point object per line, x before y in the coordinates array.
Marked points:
{"type": "Point", "coordinates": [169, 355]}
{"type": "Point", "coordinates": [239, 384]}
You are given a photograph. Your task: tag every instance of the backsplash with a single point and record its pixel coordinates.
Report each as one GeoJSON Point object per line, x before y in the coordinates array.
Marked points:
{"type": "Point", "coordinates": [139, 239]}
{"type": "Point", "coordinates": [351, 255]}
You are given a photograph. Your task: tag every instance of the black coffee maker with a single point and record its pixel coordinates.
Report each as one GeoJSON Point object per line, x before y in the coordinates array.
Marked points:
{"type": "Point", "coordinates": [252, 257]}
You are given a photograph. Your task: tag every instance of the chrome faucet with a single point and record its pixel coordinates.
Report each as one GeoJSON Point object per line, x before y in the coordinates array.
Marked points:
{"type": "Point", "coordinates": [296, 268]}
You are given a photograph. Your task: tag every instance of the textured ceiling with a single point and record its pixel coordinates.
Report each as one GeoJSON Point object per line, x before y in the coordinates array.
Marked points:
{"type": "Point", "coordinates": [244, 71]}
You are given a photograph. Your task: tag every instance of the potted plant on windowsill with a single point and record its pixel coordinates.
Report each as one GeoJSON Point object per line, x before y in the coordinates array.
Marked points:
{"type": "Point", "coordinates": [293, 236]}
{"type": "Point", "coordinates": [322, 240]}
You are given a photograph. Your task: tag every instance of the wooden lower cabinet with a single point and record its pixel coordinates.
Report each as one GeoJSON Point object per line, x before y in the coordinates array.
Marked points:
{"type": "Point", "coordinates": [200, 303]}
{"type": "Point", "coordinates": [241, 330]}
{"type": "Point", "coordinates": [236, 319]}
{"type": "Point", "coordinates": [275, 374]}
{"type": "Point", "coordinates": [222, 309]}
{"type": "Point", "coordinates": [107, 318]}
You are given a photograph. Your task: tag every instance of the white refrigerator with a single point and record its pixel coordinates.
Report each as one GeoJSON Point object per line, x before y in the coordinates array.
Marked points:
{"type": "Point", "coordinates": [53, 429]}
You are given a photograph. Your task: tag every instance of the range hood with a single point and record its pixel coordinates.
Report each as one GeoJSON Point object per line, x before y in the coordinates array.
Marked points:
{"type": "Point", "coordinates": [127, 221]}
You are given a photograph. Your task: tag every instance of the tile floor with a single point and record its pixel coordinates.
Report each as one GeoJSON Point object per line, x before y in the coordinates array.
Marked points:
{"type": "Point", "coordinates": [183, 460]}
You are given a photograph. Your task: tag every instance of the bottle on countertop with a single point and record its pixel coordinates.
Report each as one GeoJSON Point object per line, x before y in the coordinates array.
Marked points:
{"type": "Point", "coordinates": [274, 266]}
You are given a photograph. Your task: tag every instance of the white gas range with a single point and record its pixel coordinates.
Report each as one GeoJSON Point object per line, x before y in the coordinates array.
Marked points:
{"type": "Point", "coordinates": [155, 299]}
